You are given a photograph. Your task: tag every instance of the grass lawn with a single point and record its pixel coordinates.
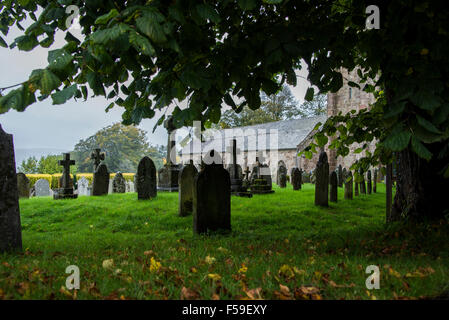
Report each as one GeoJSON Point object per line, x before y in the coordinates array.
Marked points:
{"type": "Point", "coordinates": [281, 247]}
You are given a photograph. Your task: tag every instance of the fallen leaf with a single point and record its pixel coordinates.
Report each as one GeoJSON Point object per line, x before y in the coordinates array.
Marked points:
{"type": "Point", "coordinates": [189, 294]}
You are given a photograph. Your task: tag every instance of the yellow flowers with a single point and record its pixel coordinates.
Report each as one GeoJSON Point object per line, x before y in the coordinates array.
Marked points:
{"type": "Point", "coordinates": [210, 260]}
{"type": "Point", "coordinates": [154, 265]}
{"type": "Point", "coordinates": [108, 263]}
{"type": "Point", "coordinates": [214, 276]}
{"type": "Point", "coordinates": [243, 269]}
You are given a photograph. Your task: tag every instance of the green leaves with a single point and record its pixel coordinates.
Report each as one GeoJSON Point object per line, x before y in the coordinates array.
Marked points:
{"type": "Point", "coordinates": [141, 44]}
{"type": "Point", "coordinates": [309, 94]}
{"type": "Point", "coordinates": [3, 43]}
{"type": "Point", "coordinates": [150, 25]}
{"type": "Point", "coordinates": [106, 17]}
{"type": "Point", "coordinates": [62, 96]}
{"type": "Point", "coordinates": [247, 4]}
{"type": "Point", "coordinates": [59, 59]}
{"type": "Point", "coordinates": [398, 140]}
{"type": "Point", "coordinates": [420, 149]}
{"type": "Point", "coordinates": [206, 12]}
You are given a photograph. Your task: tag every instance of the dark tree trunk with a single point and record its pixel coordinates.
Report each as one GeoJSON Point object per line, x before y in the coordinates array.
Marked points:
{"type": "Point", "coordinates": [421, 191]}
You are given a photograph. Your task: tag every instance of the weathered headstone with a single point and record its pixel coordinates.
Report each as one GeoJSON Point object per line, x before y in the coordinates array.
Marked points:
{"type": "Point", "coordinates": [146, 179]}
{"type": "Point", "coordinates": [10, 228]}
{"type": "Point", "coordinates": [340, 176]}
{"type": "Point", "coordinates": [261, 182]}
{"type": "Point", "coordinates": [66, 190]}
{"type": "Point", "coordinates": [83, 187]}
{"type": "Point", "coordinates": [236, 174]}
{"type": "Point", "coordinates": [281, 170]}
{"type": "Point", "coordinates": [306, 177]}
{"type": "Point", "coordinates": [375, 181]}
{"type": "Point", "coordinates": [186, 187]}
{"type": "Point", "coordinates": [282, 180]}
{"type": "Point", "coordinates": [362, 183]}
{"type": "Point", "coordinates": [333, 194]}
{"type": "Point", "coordinates": [23, 185]}
{"type": "Point", "coordinates": [168, 175]}
{"type": "Point", "coordinates": [97, 157]}
{"type": "Point", "coordinates": [42, 188]}
{"type": "Point", "coordinates": [348, 186]}
{"type": "Point", "coordinates": [296, 178]}
{"type": "Point", "coordinates": [369, 185]}
{"type": "Point", "coordinates": [130, 186]}
{"type": "Point", "coordinates": [101, 181]}
{"type": "Point", "coordinates": [212, 198]}
{"type": "Point", "coordinates": [118, 183]}
{"type": "Point", "coordinates": [322, 181]}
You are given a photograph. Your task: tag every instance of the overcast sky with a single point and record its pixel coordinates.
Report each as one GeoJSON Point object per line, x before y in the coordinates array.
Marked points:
{"type": "Point", "coordinates": [44, 125]}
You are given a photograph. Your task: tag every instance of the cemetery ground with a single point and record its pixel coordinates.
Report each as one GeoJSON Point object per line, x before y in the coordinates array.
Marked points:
{"type": "Point", "coordinates": [281, 247]}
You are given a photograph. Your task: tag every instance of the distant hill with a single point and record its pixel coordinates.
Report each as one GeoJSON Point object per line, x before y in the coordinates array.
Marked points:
{"type": "Point", "coordinates": [23, 154]}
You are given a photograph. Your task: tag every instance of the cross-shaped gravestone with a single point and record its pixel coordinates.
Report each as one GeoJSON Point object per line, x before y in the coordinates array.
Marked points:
{"type": "Point", "coordinates": [233, 150]}
{"type": "Point", "coordinates": [97, 157]}
{"type": "Point", "coordinates": [66, 163]}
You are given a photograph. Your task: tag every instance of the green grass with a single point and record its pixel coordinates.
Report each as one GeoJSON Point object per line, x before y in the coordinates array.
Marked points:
{"type": "Point", "coordinates": [278, 239]}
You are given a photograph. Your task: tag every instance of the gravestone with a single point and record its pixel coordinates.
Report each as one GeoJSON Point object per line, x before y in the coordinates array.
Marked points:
{"type": "Point", "coordinates": [261, 182]}
{"type": "Point", "coordinates": [362, 183]}
{"type": "Point", "coordinates": [348, 186]}
{"type": "Point", "coordinates": [282, 180]}
{"type": "Point", "coordinates": [356, 188]}
{"type": "Point", "coordinates": [246, 181]}
{"type": "Point", "coordinates": [305, 177]}
{"type": "Point", "coordinates": [100, 185]}
{"type": "Point", "coordinates": [296, 178]}
{"type": "Point", "coordinates": [66, 190]}
{"type": "Point", "coordinates": [313, 176]}
{"type": "Point", "coordinates": [344, 175]}
{"type": "Point", "coordinates": [186, 187]}
{"type": "Point", "coordinates": [375, 181]}
{"type": "Point", "coordinates": [118, 183]}
{"type": "Point", "coordinates": [23, 185]}
{"type": "Point", "coordinates": [281, 170]}
{"type": "Point", "coordinates": [340, 176]}
{"type": "Point", "coordinates": [322, 181]}
{"type": "Point", "coordinates": [369, 185]}
{"type": "Point", "coordinates": [83, 187]}
{"type": "Point", "coordinates": [236, 174]}
{"type": "Point", "coordinates": [42, 188]}
{"type": "Point", "coordinates": [212, 198]}
{"type": "Point", "coordinates": [168, 175]}
{"type": "Point", "coordinates": [10, 227]}
{"type": "Point", "coordinates": [333, 195]}
{"type": "Point", "coordinates": [110, 186]}
{"type": "Point", "coordinates": [145, 179]}
{"type": "Point", "coordinates": [130, 186]}
{"type": "Point", "coordinates": [97, 156]}
{"type": "Point", "coordinates": [60, 182]}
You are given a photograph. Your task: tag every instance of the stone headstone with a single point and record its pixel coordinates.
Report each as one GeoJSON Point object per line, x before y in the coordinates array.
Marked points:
{"type": "Point", "coordinates": [42, 188]}
{"type": "Point", "coordinates": [23, 185]}
{"type": "Point", "coordinates": [281, 170]}
{"type": "Point", "coordinates": [305, 177]}
{"type": "Point", "coordinates": [375, 181]}
{"type": "Point", "coordinates": [110, 186]}
{"type": "Point", "coordinates": [260, 179]}
{"type": "Point", "coordinates": [362, 183]}
{"type": "Point", "coordinates": [10, 227]}
{"type": "Point", "coordinates": [186, 189]}
{"type": "Point", "coordinates": [168, 175]}
{"type": "Point", "coordinates": [83, 187]}
{"type": "Point", "coordinates": [97, 156]}
{"type": "Point", "coordinates": [282, 180]}
{"type": "Point", "coordinates": [66, 190]}
{"type": "Point", "coordinates": [212, 199]}
{"type": "Point", "coordinates": [322, 181]}
{"type": "Point", "coordinates": [344, 175]}
{"type": "Point", "coordinates": [145, 179]}
{"type": "Point", "coordinates": [118, 183]}
{"type": "Point", "coordinates": [130, 186]}
{"type": "Point", "coordinates": [100, 185]}
{"type": "Point", "coordinates": [369, 182]}
{"type": "Point", "coordinates": [333, 195]}
{"type": "Point", "coordinates": [296, 178]}
{"type": "Point", "coordinates": [348, 186]}
{"type": "Point", "coordinates": [60, 183]}
{"type": "Point", "coordinates": [340, 176]}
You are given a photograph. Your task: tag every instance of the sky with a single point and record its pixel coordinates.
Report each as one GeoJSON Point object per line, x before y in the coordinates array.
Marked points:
{"type": "Point", "coordinates": [45, 126]}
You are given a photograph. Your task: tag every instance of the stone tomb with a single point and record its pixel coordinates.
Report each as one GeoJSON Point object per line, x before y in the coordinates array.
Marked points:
{"type": "Point", "coordinates": [260, 179]}
{"type": "Point", "coordinates": [322, 181]}
{"type": "Point", "coordinates": [186, 186]}
{"type": "Point", "coordinates": [145, 179]}
{"type": "Point", "coordinates": [212, 198]}
{"type": "Point", "coordinates": [101, 181]}
{"type": "Point", "coordinates": [10, 227]}
{"type": "Point", "coordinates": [23, 185]}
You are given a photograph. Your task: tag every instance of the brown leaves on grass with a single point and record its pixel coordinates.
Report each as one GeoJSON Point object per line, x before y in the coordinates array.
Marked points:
{"type": "Point", "coordinates": [189, 294]}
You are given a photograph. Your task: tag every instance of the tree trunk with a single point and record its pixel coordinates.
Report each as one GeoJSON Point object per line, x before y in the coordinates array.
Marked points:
{"type": "Point", "coordinates": [422, 191]}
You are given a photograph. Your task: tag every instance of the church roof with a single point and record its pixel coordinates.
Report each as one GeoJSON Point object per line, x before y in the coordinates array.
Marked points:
{"type": "Point", "coordinates": [280, 135]}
